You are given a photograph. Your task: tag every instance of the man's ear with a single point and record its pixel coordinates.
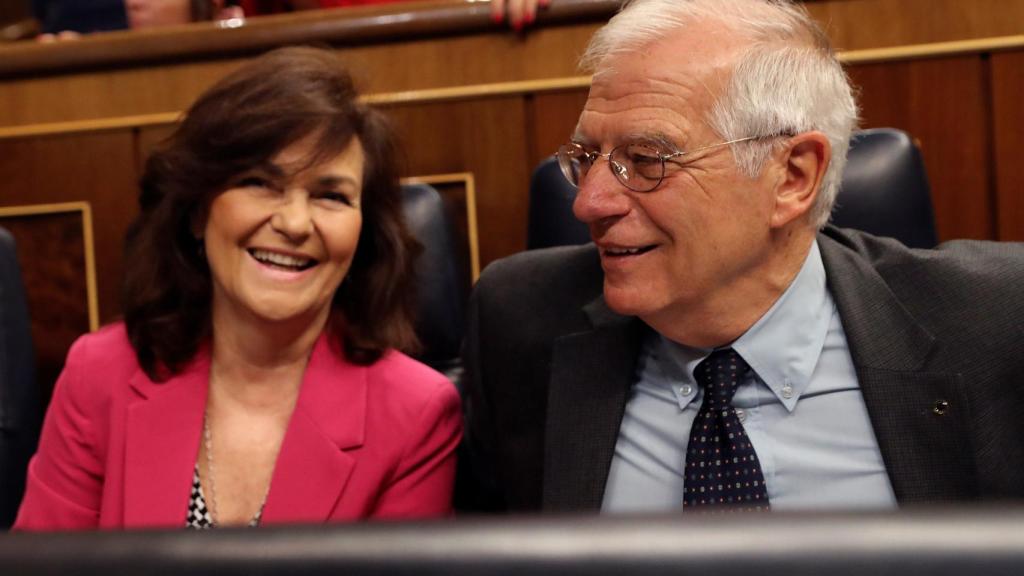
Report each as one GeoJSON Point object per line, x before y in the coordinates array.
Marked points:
{"type": "Point", "coordinates": [804, 159]}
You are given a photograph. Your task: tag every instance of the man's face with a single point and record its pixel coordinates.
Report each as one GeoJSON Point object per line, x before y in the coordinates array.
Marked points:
{"type": "Point", "coordinates": [703, 232]}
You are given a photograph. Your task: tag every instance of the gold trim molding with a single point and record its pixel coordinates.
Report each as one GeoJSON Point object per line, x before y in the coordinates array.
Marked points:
{"type": "Point", "coordinates": [469, 182]}
{"type": "Point", "coordinates": [896, 53]}
{"type": "Point", "coordinates": [87, 243]}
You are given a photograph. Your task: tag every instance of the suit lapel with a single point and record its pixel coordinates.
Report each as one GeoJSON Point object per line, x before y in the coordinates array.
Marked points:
{"type": "Point", "coordinates": [312, 468]}
{"type": "Point", "coordinates": [591, 375]}
{"type": "Point", "coordinates": [161, 444]}
{"type": "Point", "coordinates": [927, 454]}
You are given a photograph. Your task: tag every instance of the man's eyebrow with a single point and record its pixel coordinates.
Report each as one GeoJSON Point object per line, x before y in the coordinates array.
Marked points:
{"type": "Point", "coordinates": [658, 139]}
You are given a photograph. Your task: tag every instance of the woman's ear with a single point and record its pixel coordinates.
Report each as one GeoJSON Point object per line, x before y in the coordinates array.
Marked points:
{"type": "Point", "coordinates": [805, 158]}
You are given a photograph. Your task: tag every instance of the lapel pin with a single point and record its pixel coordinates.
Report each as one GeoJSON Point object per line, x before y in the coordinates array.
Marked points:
{"type": "Point", "coordinates": [940, 407]}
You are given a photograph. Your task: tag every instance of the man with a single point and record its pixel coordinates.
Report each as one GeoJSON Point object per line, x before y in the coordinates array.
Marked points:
{"type": "Point", "coordinates": [719, 344]}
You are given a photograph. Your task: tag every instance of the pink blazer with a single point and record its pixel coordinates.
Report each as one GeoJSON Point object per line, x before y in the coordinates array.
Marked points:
{"type": "Point", "coordinates": [118, 450]}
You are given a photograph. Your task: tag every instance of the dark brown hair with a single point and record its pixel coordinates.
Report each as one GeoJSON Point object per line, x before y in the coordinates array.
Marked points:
{"type": "Point", "coordinates": [238, 124]}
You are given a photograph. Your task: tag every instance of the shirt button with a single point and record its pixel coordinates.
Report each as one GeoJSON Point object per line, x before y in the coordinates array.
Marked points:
{"type": "Point", "coordinates": [787, 391]}
{"type": "Point", "coordinates": [686, 390]}
{"type": "Point", "coordinates": [741, 414]}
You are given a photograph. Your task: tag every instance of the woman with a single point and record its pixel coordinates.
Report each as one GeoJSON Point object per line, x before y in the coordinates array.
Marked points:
{"type": "Point", "coordinates": [254, 379]}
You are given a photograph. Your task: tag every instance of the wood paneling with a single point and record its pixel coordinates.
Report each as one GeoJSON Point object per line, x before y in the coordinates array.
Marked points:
{"type": "Point", "coordinates": [943, 104]}
{"type": "Point", "coordinates": [355, 26]}
{"type": "Point", "coordinates": [552, 120]}
{"type": "Point", "coordinates": [862, 24]}
{"type": "Point", "coordinates": [486, 138]}
{"type": "Point", "coordinates": [51, 254]}
{"type": "Point", "coordinates": [98, 168]}
{"type": "Point", "coordinates": [432, 63]}
{"type": "Point", "coordinates": [164, 70]}
{"type": "Point", "coordinates": [1008, 127]}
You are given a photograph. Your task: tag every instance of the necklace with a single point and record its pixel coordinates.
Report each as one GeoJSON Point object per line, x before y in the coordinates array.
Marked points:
{"type": "Point", "coordinates": [208, 444]}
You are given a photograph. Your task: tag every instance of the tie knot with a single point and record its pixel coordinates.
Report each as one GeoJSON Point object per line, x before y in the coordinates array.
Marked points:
{"type": "Point", "coordinates": [720, 374]}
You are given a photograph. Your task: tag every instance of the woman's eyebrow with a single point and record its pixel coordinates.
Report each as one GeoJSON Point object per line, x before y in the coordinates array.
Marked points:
{"type": "Point", "coordinates": [268, 169]}
{"type": "Point", "coordinates": [332, 180]}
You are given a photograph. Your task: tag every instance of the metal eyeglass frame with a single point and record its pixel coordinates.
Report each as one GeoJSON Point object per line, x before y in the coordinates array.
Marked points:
{"type": "Point", "coordinates": [620, 170]}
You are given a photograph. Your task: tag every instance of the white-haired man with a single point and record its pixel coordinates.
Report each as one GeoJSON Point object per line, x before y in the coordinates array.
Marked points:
{"type": "Point", "coordinates": [719, 344]}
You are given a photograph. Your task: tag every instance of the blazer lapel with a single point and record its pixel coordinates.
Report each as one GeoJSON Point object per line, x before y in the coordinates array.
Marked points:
{"type": "Point", "coordinates": [312, 470]}
{"type": "Point", "coordinates": [162, 437]}
{"type": "Point", "coordinates": [920, 417]}
{"type": "Point", "coordinates": [591, 375]}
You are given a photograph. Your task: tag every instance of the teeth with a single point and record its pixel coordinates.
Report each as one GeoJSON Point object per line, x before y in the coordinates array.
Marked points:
{"type": "Point", "coordinates": [279, 259]}
{"type": "Point", "coordinates": [622, 251]}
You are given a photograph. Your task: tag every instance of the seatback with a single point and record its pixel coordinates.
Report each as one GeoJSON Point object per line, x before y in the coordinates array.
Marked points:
{"type": "Point", "coordinates": [884, 192]}
{"type": "Point", "coordinates": [440, 294]}
{"type": "Point", "coordinates": [19, 397]}
{"type": "Point", "coordinates": [885, 189]}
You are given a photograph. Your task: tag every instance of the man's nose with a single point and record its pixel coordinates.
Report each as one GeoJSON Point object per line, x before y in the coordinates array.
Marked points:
{"type": "Point", "coordinates": [600, 196]}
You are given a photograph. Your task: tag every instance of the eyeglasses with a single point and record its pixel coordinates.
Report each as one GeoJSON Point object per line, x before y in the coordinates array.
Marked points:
{"type": "Point", "coordinates": [639, 167]}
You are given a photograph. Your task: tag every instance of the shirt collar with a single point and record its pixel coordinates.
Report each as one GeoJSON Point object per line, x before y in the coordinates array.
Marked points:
{"type": "Point", "coordinates": [784, 345]}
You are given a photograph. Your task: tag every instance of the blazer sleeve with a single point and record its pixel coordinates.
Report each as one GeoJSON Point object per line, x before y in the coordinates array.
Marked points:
{"type": "Point", "coordinates": [65, 477]}
{"type": "Point", "coordinates": [422, 484]}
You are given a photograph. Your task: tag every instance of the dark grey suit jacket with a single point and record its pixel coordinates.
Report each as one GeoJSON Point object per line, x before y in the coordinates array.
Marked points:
{"type": "Point", "coordinates": [936, 336]}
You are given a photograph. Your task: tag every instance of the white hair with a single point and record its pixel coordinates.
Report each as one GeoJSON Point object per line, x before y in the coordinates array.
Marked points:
{"type": "Point", "coordinates": [787, 81]}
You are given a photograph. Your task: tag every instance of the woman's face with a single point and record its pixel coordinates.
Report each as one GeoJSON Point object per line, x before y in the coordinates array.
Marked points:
{"type": "Point", "coordinates": [281, 238]}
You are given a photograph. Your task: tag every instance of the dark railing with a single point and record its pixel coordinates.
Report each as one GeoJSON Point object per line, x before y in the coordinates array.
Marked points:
{"type": "Point", "coordinates": [935, 542]}
{"type": "Point", "coordinates": [351, 26]}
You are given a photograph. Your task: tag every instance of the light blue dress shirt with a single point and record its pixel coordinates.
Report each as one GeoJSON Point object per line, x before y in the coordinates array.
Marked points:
{"type": "Point", "coordinates": [801, 406]}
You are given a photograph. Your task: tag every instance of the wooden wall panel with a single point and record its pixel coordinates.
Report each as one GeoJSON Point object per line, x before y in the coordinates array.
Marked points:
{"type": "Point", "coordinates": [1007, 94]}
{"type": "Point", "coordinates": [862, 24]}
{"type": "Point", "coordinates": [98, 168]}
{"type": "Point", "coordinates": [416, 65]}
{"type": "Point", "coordinates": [51, 255]}
{"type": "Point", "coordinates": [552, 119]}
{"type": "Point", "coordinates": [486, 138]}
{"type": "Point", "coordinates": [943, 103]}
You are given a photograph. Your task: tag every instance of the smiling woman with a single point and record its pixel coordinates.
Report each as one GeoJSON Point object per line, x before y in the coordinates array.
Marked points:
{"type": "Point", "coordinates": [256, 377]}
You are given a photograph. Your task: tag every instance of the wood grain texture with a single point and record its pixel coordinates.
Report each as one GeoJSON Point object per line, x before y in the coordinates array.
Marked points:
{"type": "Point", "coordinates": [51, 254]}
{"type": "Point", "coordinates": [98, 168]}
{"type": "Point", "coordinates": [943, 104]}
{"type": "Point", "coordinates": [862, 24]}
{"type": "Point", "coordinates": [353, 26]}
{"type": "Point", "coordinates": [161, 71]}
{"type": "Point", "coordinates": [486, 138]}
{"type": "Point", "coordinates": [552, 119]}
{"type": "Point", "coordinates": [1008, 138]}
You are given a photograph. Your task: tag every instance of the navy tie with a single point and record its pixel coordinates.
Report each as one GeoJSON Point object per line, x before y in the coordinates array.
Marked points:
{"type": "Point", "coordinates": [722, 469]}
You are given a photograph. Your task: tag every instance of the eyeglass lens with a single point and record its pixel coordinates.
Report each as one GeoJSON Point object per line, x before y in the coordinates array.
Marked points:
{"type": "Point", "coordinates": [638, 167]}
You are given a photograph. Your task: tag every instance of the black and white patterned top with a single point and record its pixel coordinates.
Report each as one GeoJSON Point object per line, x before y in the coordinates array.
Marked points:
{"type": "Point", "coordinates": [199, 516]}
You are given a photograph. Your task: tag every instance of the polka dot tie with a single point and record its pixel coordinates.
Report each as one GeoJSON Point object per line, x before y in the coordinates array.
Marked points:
{"type": "Point", "coordinates": [722, 469]}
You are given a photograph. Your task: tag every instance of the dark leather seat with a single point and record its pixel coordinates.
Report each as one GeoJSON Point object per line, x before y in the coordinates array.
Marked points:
{"type": "Point", "coordinates": [884, 192]}
{"type": "Point", "coordinates": [19, 400]}
{"type": "Point", "coordinates": [885, 189]}
{"type": "Point", "coordinates": [440, 297]}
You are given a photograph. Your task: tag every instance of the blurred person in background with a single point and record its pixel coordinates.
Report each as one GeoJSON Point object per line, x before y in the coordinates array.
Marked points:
{"type": "Point", "coordinates": [68, 19]}
{"type": "Point", "coordinates": [519, 13]}
{"type": "Point", "coordinates": [256, 377]}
